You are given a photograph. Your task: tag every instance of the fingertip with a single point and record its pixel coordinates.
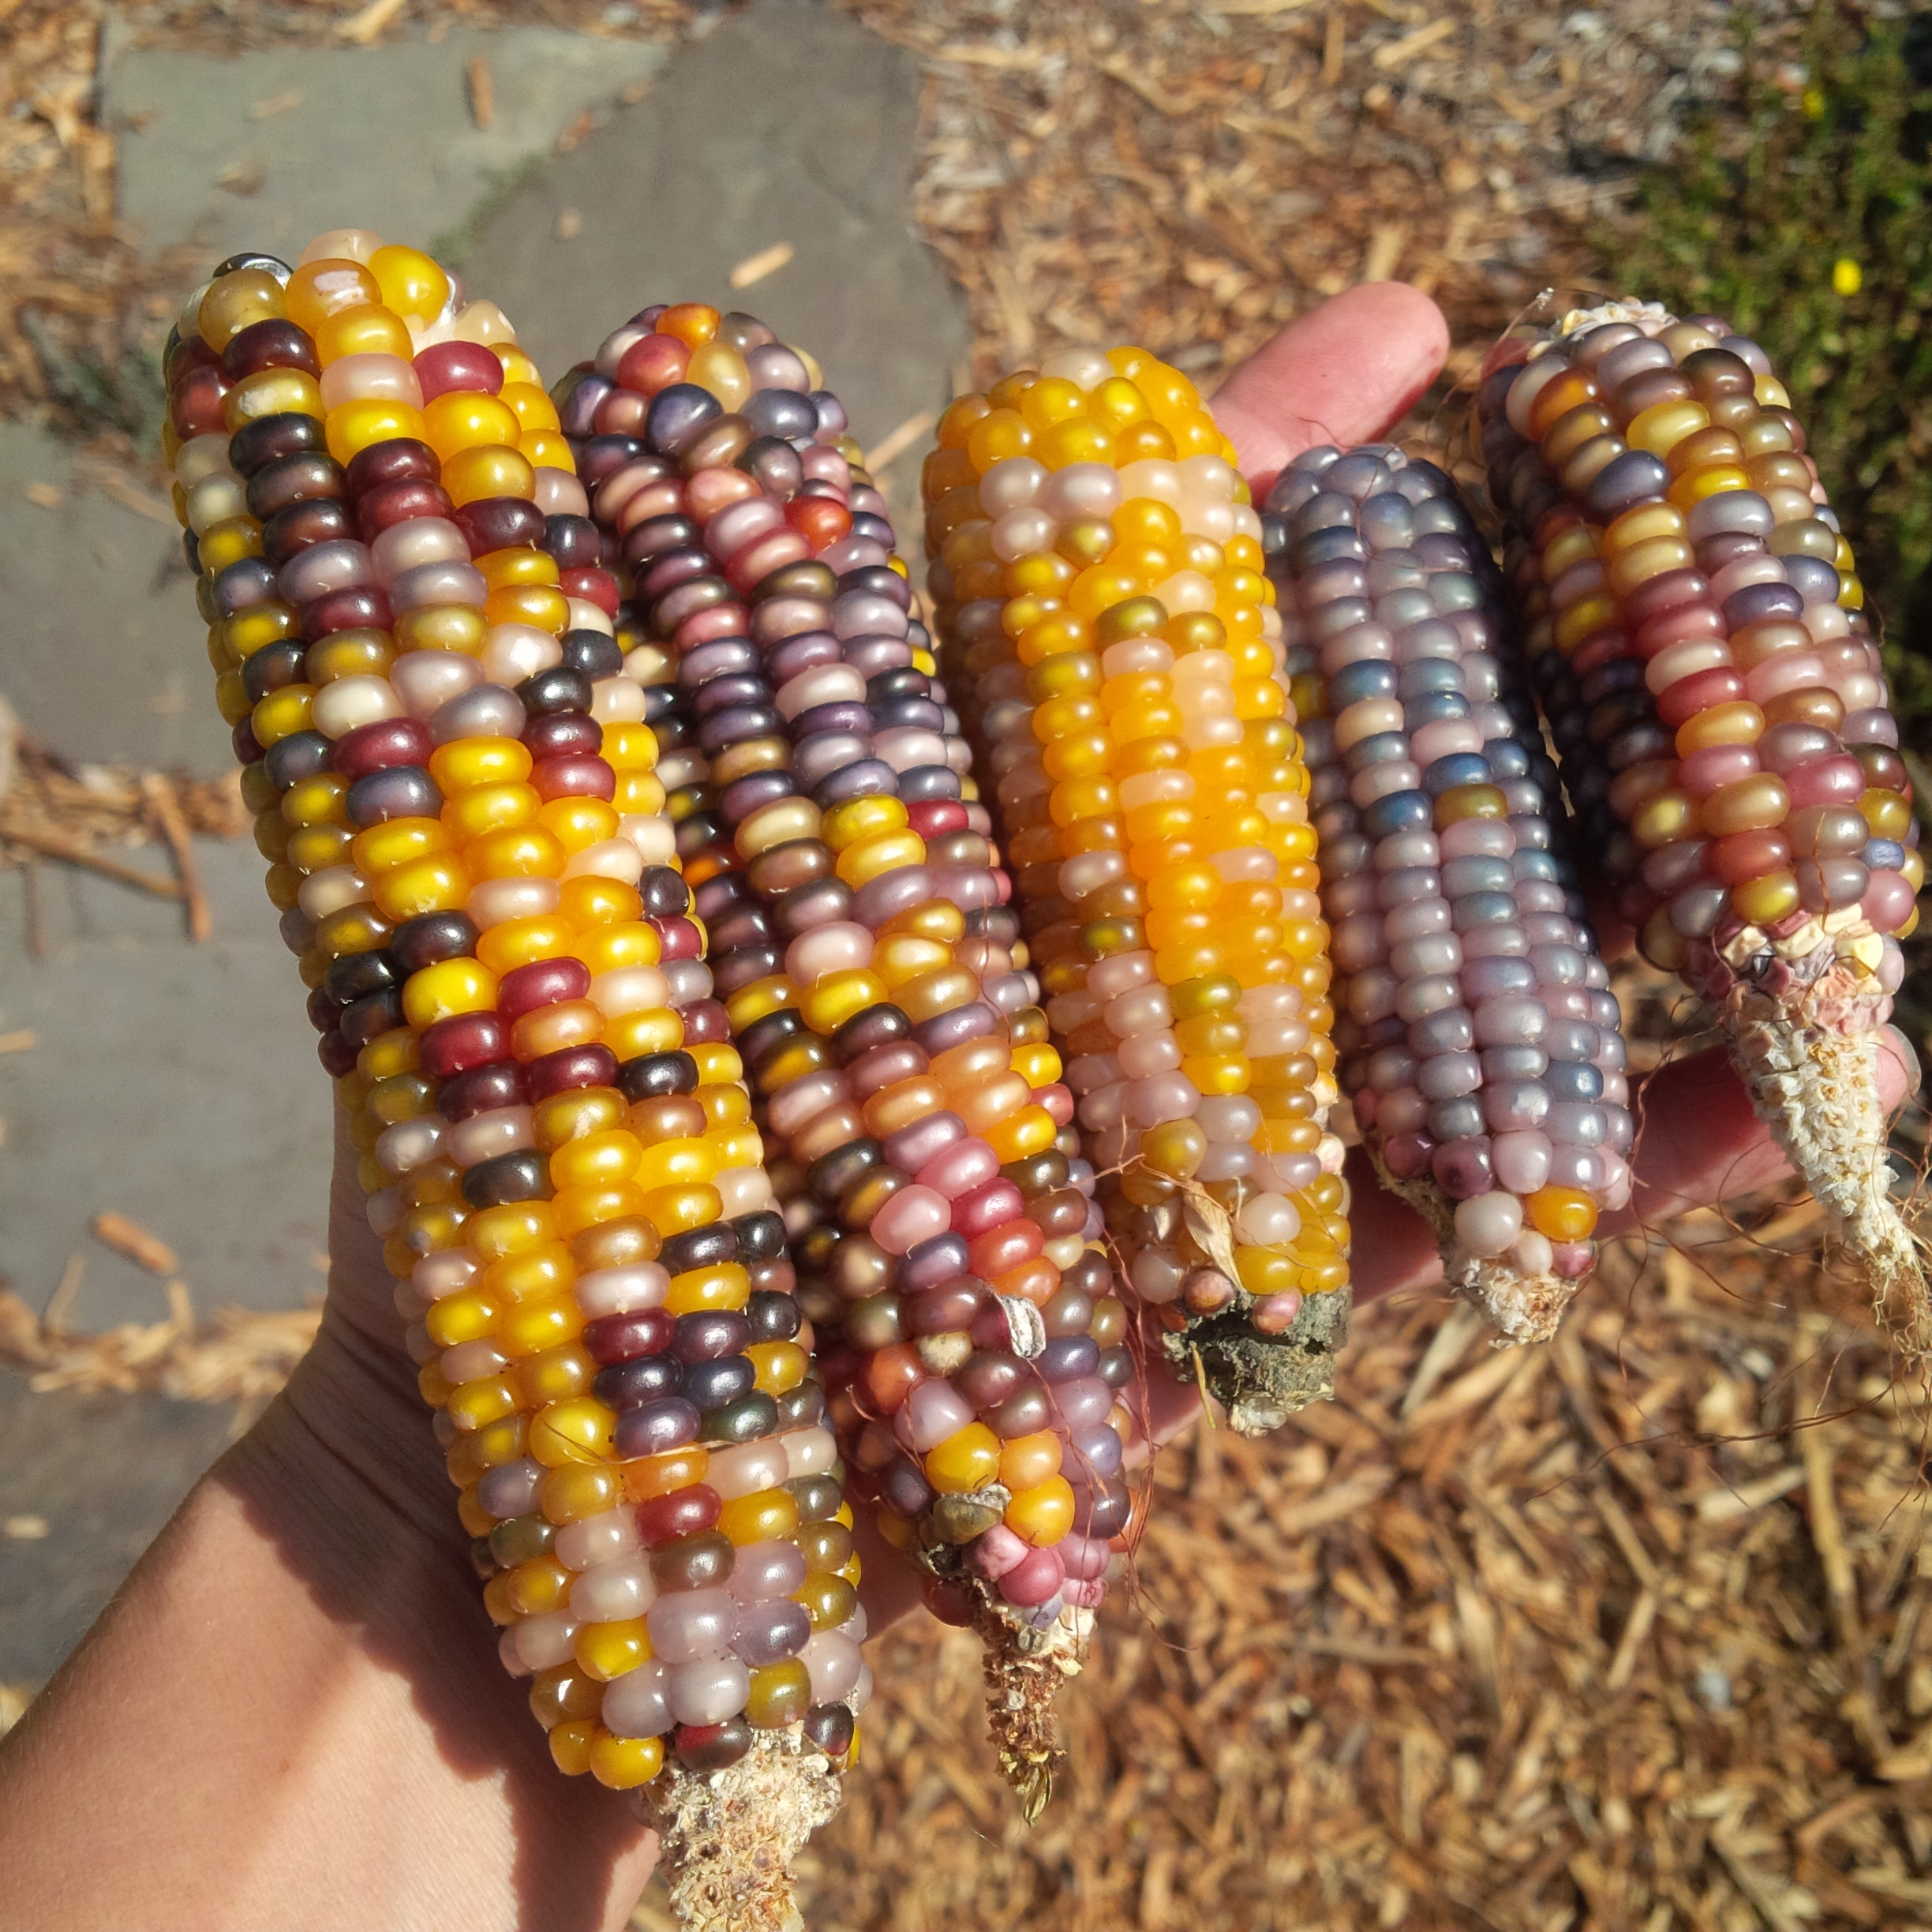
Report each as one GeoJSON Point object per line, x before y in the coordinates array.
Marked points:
{"type": "Point", "coordinates": [1344, 373]}
{"type": "Point", "coordinates": [1402, 306]}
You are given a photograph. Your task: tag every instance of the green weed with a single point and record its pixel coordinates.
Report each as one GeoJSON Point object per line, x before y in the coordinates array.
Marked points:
{"type": "Point", "coordinates": [1807, 221]}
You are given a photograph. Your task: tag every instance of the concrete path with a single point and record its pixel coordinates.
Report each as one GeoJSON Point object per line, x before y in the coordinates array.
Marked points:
{"type": "Point", "coordinates": [85, 1481]}
{"type": "Point", "coordinates": [177, 1084]}
{"type": "Point", "coordinates": [103, 656]}
{"type": "Point", "coordinates": [265, 150]}
{"type": "Point", "coordinates": [788, 124]}
{"type": "Point", "coordinates": [174, 1083]}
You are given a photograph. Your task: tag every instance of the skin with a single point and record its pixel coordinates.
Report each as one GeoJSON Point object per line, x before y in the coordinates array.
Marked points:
{"type": "Point", "coordinates": [293, 1715]}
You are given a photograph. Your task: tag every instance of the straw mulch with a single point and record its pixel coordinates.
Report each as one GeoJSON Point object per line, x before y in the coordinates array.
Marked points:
{"type": "Point", "coordinates": [1627, 1631]}
{"type": "Point", "coordinates": [242, 1355]}
{"type": "Point", "coordinates": [1193, 174]}
{"type": "Point", "coordinates": [99, 807]}
{"type": "Point", "coordinates": [53, 809]}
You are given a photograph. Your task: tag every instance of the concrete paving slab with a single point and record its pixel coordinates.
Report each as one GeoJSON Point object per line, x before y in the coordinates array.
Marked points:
{"type": "Point", "coordinates": [787, 123]}
{"type": "Point", "coordinates": [103, 655]}
{"type": "Point", "coordinates": [265, 150]}
{"type": "Point", "coordinates": [177, 1084]}
{"type": "Point", "coordinates": [104, 1472]}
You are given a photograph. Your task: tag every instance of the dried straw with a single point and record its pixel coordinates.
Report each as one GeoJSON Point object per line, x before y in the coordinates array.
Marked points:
{"type": "Point", "coordinates": [1625, 1630]}
{"type": "Point", "coordinates": [242, 1355]}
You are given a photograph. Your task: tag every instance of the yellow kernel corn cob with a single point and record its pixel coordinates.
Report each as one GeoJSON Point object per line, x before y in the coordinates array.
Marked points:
{"type": "Point", "coordinates": [1097, 578]}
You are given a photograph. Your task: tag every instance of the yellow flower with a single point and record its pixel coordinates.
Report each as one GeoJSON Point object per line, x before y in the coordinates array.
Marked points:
{"type": "Point", "coordinates": [1812, 100]}
{"type": "Point", "coordinates": [1847, 278]}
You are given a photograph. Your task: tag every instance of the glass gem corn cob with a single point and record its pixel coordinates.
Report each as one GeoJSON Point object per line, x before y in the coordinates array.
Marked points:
{"type": "Point", "coordinates": [1479, 1041]}
{"type": "Point", "coordinates": [1096, 575]}
{"type": "Point", "coordinates": [866, 954]}
{"type": "Point", "coordinates": [412, 632]}
{"type": "Point", "coordinates": [1696, 635]}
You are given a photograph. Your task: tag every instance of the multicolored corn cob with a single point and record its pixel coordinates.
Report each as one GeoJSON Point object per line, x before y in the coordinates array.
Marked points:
{"type": "Point", "coordinates": [1480, 1043]}
{"type": "Point", "coordinates": [867, 960]}
{"type": "Point", "coordinates": [1097, 579]}
{"type": "Point", "coordinates": [1696, 633]}
{"type": "Point", "coordinates": [413, 633]}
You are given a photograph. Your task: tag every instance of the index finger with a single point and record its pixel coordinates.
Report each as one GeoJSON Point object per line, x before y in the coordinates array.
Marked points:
{"type": "Point", "coordinates": [1345, 372]}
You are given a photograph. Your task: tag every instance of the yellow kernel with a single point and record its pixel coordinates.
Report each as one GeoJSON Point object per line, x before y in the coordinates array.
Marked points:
{"type": "Point", "coordinates": [765, 1516]}
{"type": "Point", "coordinates": [570, 1745]}
{"type": "Point", "coordinates": [1561, 1214]}
{"type": "Point", "coordinates": [578, 1430]}
{"type": "Point", "coordinates": [608, 1650]}
{"type": "Point", "coordinates": [1043, 1515]}
{"type": "Point", "coordinates": [624, 1763]}
{"type": "Point", "coordinates": [967, 1460]}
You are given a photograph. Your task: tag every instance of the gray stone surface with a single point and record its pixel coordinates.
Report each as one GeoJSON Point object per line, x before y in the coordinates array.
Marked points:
{"type": "Point", "coordinates": [104, 1472]}
{"type": "Point", "coordinates": [175, 1082]}
{"type": "Point", "coordinates": [787, 123]}
{"type": "Point", "coordinates": [103, 655]}
{"type": "Point", "coordinates": [380, 137]}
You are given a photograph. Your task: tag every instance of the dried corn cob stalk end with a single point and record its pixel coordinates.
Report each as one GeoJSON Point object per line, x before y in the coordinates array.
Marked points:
{"type": "Point", "coordinates": [1097, 579]}
{"type": "Point", "coordinates": [1697, 635]}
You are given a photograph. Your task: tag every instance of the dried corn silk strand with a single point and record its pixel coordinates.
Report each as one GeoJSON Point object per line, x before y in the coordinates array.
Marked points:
{"type": "Point", "coordinates": [1696, 633]}
{"type": "Point", "coordinates": [1479, 1041]}
{"type": "Point", "coordinates": [867, 958]}
{"type": "Point", "coordinates": [413, 639]}
{"type": "Point", "coordinates": [1096, 574]}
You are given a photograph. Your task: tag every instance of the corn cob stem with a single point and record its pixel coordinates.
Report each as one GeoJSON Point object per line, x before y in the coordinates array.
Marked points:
{"type": "Point", "coordinates": [734, 1835]}
{"type": "Point", "coordinates": [414, 636]}
{"type": "Point", "coordinates": [1481, 1045]}
{"type": "Point", "coordinates": [1096, 573]}
{"type": "Point", "coordinates": [1697, 634]}
{"type": "Point", "coordinates": [865, 954]}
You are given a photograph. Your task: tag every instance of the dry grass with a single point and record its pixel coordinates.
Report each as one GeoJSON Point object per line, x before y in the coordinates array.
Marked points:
{"type": "Point", "coordinates": [242, 1355]}
{"type": "Point", "coordinates": [53, 810]}
{"type": "Point", "coordinates": [1191, 174]}
{"type": "Point", "coordinates": [1627, 1631]}
{"type": "Point", "coordinates": [102, 807]}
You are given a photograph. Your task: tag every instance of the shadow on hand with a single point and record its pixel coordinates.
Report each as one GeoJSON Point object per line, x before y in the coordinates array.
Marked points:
{"type": "Point", "coordinates": [343, 1476]}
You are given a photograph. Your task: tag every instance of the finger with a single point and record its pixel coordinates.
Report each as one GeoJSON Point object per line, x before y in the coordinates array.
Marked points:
{"type": "Point", "coordinates": [1390, 1246]}
{"type": "Point", "coordinates": [1345, 372]}
{"type": "Point", "coordinates": [1616, 938]}
{"type": "Point", "coordinates": [359, 1286]}
{"type": "Point", "coordinates": [888, 1584]}
{"type": "Point", "coordinates": [1171, 1404]}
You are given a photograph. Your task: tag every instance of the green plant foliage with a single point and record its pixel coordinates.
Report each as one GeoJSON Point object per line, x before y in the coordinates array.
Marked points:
{"type": "Point", "coordinates": [1809, 225]}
